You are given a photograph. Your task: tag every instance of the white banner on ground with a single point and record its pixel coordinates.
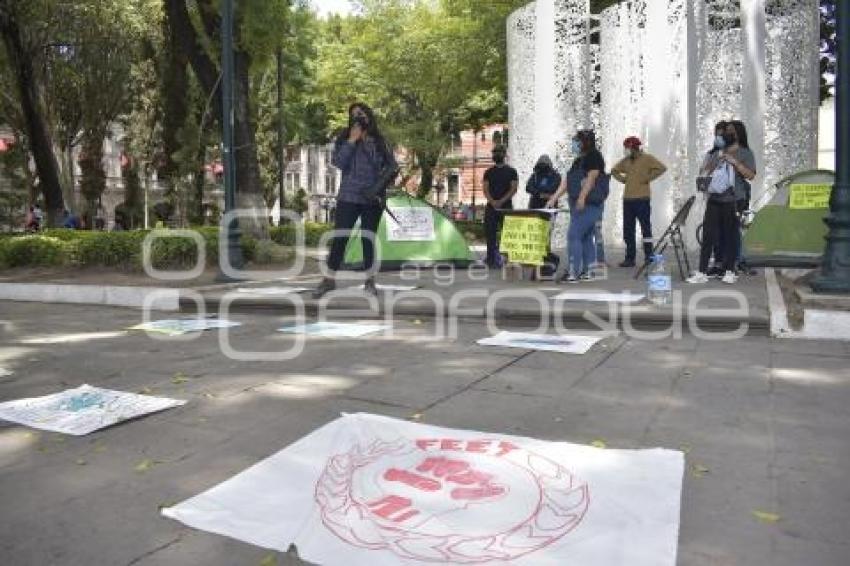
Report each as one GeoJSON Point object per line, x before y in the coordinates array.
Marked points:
{"type": "Point", "coordinates": [366, 490]}
{"type": "Point", "coordinates": [397, 288]}
{"type": "Point", "coordinates": [565, 343]}
{"type": "Point", "coordinates": [335, 329]}
{"type": "Point", "coordinates": [626, 297]}
{"type": "Point", "coordinates": [270, 291]}
{"type": "Point", "coordinates": [82, 410]}
{"type": "Point", "coordinates": [177, 327]}
{"type": "Point", "coordinates": [415, 224]}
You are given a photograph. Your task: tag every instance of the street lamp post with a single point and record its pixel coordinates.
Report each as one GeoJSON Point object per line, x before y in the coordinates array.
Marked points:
{"type": "Point", "coordinates": [835, 271]}
{"type": "Point", "coordinates": [232, 228]}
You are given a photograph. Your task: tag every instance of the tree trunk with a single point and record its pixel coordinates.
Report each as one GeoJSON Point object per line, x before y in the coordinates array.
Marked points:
{"type": "Point", "coordinates": [175, 85]}
{"type": "Point", "coordinates": [37, 128]}
{"type": "Point", "coordinates": [93, 180]}
{"type": "Point", "coordinates": [427, 164]}
{"type": "Point", "coordinates": [249, 188]}
{"type": "Point", "coordinates": [200, 181]}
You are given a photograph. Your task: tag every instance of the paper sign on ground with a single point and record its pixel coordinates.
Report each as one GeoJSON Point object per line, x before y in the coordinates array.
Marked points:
{"type": "Point", "coordinates": [82, 410]}
{"type": "Point", "coordinates": [335, 329]}
{"type": "Point", "coordinates": [565, 343]}
{"type": "Point", "coordinates": [177, 327]}
{"type": "Point", "coordinates": [415, 224]}
{"type": "Point", "coordinates": [381, 287]}
{"type": "Point", "coordinates": [600, 297]}
{"type": "Point", "coordinates": [271, 290]}
{"type": "Point", "coordinates": [366, 490]}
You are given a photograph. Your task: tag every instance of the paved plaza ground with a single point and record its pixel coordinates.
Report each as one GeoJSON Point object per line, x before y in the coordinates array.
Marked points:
{"type": "Point", "coordinates": [764, 423]}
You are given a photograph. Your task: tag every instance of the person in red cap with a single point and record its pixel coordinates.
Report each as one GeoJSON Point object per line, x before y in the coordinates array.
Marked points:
{"type": "Point", "coordinates": [637, 170]}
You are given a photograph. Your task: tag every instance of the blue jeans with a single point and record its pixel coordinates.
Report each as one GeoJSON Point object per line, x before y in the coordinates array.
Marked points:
{"type": "Point", "coordinates": [598, 238]}
{"type": "Point", "coordinates": [581, 250]}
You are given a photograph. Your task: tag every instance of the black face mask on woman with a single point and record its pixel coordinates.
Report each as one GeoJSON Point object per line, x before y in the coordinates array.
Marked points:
{"type": "Point", "coordinates": [730, 139]}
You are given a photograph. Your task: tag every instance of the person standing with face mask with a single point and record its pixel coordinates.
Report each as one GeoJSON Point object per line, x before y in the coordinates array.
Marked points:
{"type": "Point", "coordinates": [731, 165]}
{"type": "Point", "coordinates": [542, 183]}
{"type": "Point", "coordinates": [637, 170]}
{"type": "Point", "coordinates": [581, 179]}
{"type": "Point", "coordinates": [500, 185]}
{"type": "Point", "coordinates": [360, 153]}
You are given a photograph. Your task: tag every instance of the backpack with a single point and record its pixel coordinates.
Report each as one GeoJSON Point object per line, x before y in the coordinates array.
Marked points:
{"type": "Point", "coordinates": [597, 195]}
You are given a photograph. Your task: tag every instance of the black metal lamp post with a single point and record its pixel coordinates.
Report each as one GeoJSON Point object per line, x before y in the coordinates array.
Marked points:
{"type": "Point", "coordinates": [234, 249]}
{"type": "Point", "coordinates": [835, 272]}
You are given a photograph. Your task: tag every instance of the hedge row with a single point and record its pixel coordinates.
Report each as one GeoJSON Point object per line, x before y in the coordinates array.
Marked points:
{"type": "Point", "coordinates": [124, 249]}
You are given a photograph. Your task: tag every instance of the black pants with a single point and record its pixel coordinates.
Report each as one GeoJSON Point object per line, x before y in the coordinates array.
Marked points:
{"type": "Point", "coordinates": [719, 226]}
{"type": "Point", "coordinates": [538, 201]}
{"type": "Point", "coordinates": [346, 217]}
{"type": "Point", "coordinates": [492, 228]}
{"type": "Point", "coordinates": [634, 211]}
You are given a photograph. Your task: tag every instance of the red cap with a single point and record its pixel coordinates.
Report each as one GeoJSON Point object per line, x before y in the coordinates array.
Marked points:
{"type": "Point", "coordinates": [632, 142]}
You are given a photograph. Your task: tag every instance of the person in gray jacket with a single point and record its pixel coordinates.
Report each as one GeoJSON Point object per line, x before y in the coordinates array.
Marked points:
{"type": "Point", "coordinates": [360, 153]}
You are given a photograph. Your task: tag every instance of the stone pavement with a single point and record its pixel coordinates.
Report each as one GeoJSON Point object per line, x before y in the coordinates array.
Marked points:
{"type": "Point", "coordinates": [764, 424]}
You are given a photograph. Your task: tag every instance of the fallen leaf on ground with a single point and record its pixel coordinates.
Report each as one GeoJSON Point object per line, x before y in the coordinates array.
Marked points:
{"type": "Point", "coordinates": [766, 517]}
{"type": "Point", "coordinates": [145, 391]}
{"type": "Point", "coordinates": [202, 419]}
{"type": "Point", "coordinates": [685, 448]}
{"type": "Point", "coordinates": [416, 416]}
{"type": "Point", "coordinates": [599, 443]}
{"type": "Point", "coordinates": [179, 378]}
{"type": "Point", "coordinates": [417, 321]}
{"type": "Point", "coordinates": [81, 462]}
{"type": "Point", "coordinates": [166, 504]}
{"type": "Point", "coordinates": [699, 471]}
{"type": "Point", "coordinates": [269, 560]}
{"type": "Point", "coordinates": [146, 465]}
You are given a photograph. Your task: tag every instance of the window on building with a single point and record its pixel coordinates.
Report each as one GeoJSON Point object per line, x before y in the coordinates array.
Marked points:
{"type": "Point", "coordinates": [452, 194]}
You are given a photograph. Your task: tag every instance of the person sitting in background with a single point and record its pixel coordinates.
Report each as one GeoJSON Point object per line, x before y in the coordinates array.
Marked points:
{"type": "Point", "coordinates": [71, 221]}
{"type": "Point", "coordinates": [637, 170]}
{"type": "Point", "coordinates": [542, 183]}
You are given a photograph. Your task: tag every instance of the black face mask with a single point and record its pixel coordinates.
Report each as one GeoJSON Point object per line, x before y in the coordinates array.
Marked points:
{"type": "Point", "coordinates": [498, 159]}
{"type": "Point", "coordinates": [730, 139]}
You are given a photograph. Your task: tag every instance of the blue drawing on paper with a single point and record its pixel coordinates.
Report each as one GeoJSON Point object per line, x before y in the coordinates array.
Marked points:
{"type": "Point", "coordinates": [82, 402]}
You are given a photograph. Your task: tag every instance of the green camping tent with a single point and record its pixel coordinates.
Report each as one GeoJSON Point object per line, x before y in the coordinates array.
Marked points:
{"type": "Point", "coordinates": [422, 236]}
{"type": "Point", "coordinates": [789, 231]}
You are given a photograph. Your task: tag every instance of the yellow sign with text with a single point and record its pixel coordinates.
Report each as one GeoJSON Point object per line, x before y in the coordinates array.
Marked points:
{"type": "Point", "coordinates": [525, 239]}
{"type": "Point", "coordinates": [809, 196]}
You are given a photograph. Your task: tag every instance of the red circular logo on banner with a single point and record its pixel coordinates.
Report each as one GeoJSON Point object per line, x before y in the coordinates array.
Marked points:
{"type": "Point", "coordinates": [447, 500]}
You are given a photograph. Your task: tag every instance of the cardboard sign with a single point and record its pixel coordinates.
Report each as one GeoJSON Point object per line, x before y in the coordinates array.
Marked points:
{"type": "Point", "coordinates": [82, 410]}
{"type": "Point", "coordinates": [525, 239]}
{"type": "Point", "coordinates": [415, 224]}
{"type": "Point", "coordinates": [809, 196]}
{"type": "Point", "coordinates": [335, 329]}
{"type": "Point", "coordinates": [178, 327]}
{"type": "Point", "coordinates": [366, 490]}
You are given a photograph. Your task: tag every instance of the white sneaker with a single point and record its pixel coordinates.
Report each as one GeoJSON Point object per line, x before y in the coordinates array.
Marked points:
{"type": "Point", "coordinates": [698, 278]}
{"type": "Point", "coordinates": [730, 278]}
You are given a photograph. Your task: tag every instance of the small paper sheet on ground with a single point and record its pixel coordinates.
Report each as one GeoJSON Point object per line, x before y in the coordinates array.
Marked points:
{"type": "Point", "coordinates": [603, 297]}
{"type": "Point", "coordinates": [82, 410]}
{"type": "Point", "coordinates": [177, 327]}
{"type": "Point", "coordinates": [335, 329]}
{"type": "Point", "coordinates": [366, 490]}
{"type": "Point", "coordinates": [564, 343]}
{"type": "Point", "coordinates": [398, 288]}
{"type": "Point", "coordinates": [267, 291]}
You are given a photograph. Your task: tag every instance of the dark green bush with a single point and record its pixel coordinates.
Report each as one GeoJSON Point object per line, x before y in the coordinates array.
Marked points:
{"type": "Point", "coordinates": [31, 250]}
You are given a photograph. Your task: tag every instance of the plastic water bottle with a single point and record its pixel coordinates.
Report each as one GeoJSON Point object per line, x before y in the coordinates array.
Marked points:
{"type": "Point", "coordinates": [659, 282]}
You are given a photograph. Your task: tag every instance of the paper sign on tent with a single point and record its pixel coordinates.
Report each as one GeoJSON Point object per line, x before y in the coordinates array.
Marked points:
{"type": "Point", "coordinates": [367, 490]}
{"type": "Point", "coordinates": [82, 410]}
{"type": "Point", "coordinates": [564, 344]}
{"type": "Point", "coordinates": [335, 329]}
{"type": "Point", "coordinates": [177, 327]}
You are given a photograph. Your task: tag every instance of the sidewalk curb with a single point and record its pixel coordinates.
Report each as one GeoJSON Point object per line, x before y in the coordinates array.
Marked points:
{"type": "Point", "coordinates": [156, 298]}
{"type": "Point", "coordinates": [639, 318]}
